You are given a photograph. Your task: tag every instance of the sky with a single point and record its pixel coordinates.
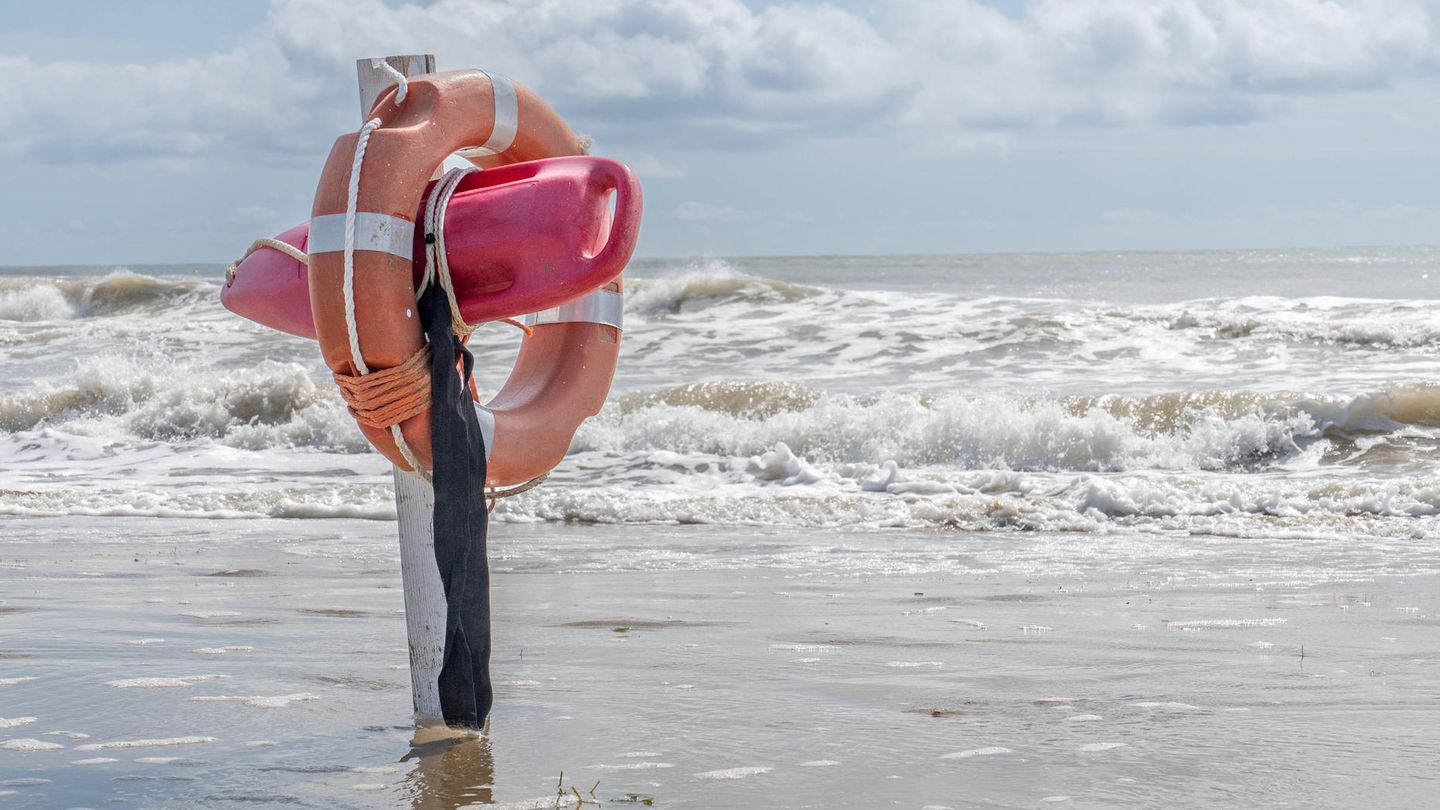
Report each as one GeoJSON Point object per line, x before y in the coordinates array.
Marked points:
{"type": "Point", "coordinates": [155, 132]}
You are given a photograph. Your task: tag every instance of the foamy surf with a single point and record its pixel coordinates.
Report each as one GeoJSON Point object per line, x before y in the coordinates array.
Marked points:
{"type": "Point", "coordinates": [258, 701]}
{"type": "Point", "coordinates": [772, 394]}
{"type": "Point", "coordinates": [115, 745]}
{"type": "Point", "coordinates": [26, 745]}
{"type": "Point", "coordinates": [116, 293]}
{"type": "Point", "coordinates": [971, 753]}
{"type": "Point", "coordinates": [161, 682]}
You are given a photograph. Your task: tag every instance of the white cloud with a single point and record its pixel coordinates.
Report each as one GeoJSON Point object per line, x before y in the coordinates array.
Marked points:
{"type": "Point", "coordinates": [719, 73]}
{"type": "Point", "coordinates": [1184, 61]}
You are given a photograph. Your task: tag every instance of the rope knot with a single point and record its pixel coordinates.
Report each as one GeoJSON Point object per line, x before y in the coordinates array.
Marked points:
{"type": "Point", "coordinates": [389, 396]}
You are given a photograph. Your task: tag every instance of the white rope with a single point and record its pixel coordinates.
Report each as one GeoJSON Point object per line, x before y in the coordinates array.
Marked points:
{"type": "Point", "coordinates": [437, 265]}
{"type": "Point", "coordinates": [401, 82]}
{"type": "Point", "coordinates": [352, 199]}
{"type": "Point", "coordinates": [496, 494]}
{"type": "Point", "coordinates": [415, 468]}
{"type": "Point", "coordinates": [266, 242]}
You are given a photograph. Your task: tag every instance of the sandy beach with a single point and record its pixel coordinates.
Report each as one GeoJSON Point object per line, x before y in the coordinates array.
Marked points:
{"type": "Point", "coordinates": [742, 668]}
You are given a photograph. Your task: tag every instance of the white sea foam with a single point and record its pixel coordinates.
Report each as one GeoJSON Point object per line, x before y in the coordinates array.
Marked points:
{"type": "Point", "coordinates": [1101, 746]}
{"type": "Point", "coordinates": [734, 773]}
{"type": "Point", "coordinates": [29, 744]}
{"type": "Point", "coordinates": [13, 722]}
{"type": "Point", "coordinates": [988, 751]}
{"type": "Point", "coordinates": [147, 743]}
{"type": "Point", "coordinates": [38, 303]}
{"type": "Point", "coordinates": [270, 404]}
{"type": "Point", "coordinates": [162, 682]}
{"type": "Point", "coordinates": [1225, 624]}
{"type": "Point", "coordinates": [956, 431]}
{"type": "Point", "coordinates": [258, 701]}
{"type": "Point", "coordinates": [766, 402]}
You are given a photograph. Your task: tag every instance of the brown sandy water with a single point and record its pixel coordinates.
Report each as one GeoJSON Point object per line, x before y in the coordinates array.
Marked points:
{"type": "Point", "coordinates": [181, 663]}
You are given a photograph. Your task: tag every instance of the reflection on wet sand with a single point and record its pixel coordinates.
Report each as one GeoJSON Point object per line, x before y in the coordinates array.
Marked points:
{"type": "Point", "coordinates": [453, 769]}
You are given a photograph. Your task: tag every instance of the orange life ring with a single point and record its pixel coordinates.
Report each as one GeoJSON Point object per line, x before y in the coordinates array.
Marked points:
{"type": "Point", "coordinates": [563, 373]}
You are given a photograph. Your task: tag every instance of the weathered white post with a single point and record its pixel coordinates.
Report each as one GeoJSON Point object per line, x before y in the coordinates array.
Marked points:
{"type": "Point", "coordinates": [415, 499]}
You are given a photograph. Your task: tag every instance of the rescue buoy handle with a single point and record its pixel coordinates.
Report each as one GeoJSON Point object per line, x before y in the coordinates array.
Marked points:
{"type": "Point", "coordinates": [615, 178]}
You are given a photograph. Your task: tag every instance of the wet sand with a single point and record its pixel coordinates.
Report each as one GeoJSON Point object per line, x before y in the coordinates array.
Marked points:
{"type": "Point", "coordinates": [166, 663]}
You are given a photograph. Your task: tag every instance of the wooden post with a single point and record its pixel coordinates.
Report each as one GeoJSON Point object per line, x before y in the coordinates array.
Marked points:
{"type": "Point", "coordinates": [414, 499]}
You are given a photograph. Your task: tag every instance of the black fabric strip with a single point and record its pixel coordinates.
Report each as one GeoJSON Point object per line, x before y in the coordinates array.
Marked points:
{"type": "Point", "coordinates": [461, 521]}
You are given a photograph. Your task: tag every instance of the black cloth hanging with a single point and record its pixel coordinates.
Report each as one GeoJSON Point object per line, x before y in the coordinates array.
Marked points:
{"type": "Point", "coordinates": [461, 520]}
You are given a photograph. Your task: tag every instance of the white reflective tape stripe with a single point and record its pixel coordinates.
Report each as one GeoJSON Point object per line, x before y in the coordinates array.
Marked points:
{"type": "Point", "coordinates": [379, 232]}
{"type": "Point", "coordinates": [507, 114]}
{"type": "Point", "coordinates": [601, 306]}
{"type": "Point", "coordinates": [487, 427]}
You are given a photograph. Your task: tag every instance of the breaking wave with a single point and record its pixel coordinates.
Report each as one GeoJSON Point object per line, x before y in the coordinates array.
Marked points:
{"type": "Point", "coordinates": [1188, 431]}
{"type": "Point", "coordinates": [712, 283]}
{"type": "Point", "coordinates": [121, 292]}
{"type": "Point", "coordinates": [1356, 322]}
{"type": "Point", "coordinates": [746, 399]}
{"type": "Point", "coordinates": [269, 405]}
{"type": "Point", "coordinates": [1338, 321]}
{"type": "Point", "coordinates": [781, 489]}
{"type": "Point", "coordinates": [278, 405]}
{"type": "Point", "coordinates": [34, 303]}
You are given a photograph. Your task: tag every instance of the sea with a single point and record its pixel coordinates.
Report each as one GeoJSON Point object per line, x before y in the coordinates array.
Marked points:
{"type": "Point", "coordinates": [1240, 393]}
{"type": "Point", "coordinates": [1242, 444]}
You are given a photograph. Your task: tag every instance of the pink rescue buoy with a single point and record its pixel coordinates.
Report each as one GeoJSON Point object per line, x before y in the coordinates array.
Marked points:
{"type": "Point", "coordinates": [520, 238]}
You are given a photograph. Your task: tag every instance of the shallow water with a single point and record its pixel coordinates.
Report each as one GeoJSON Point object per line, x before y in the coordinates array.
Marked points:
{"type": "Point", "coordinates": [1131, 488]}
{"type": "Point", "coordinates": [744, 669]}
